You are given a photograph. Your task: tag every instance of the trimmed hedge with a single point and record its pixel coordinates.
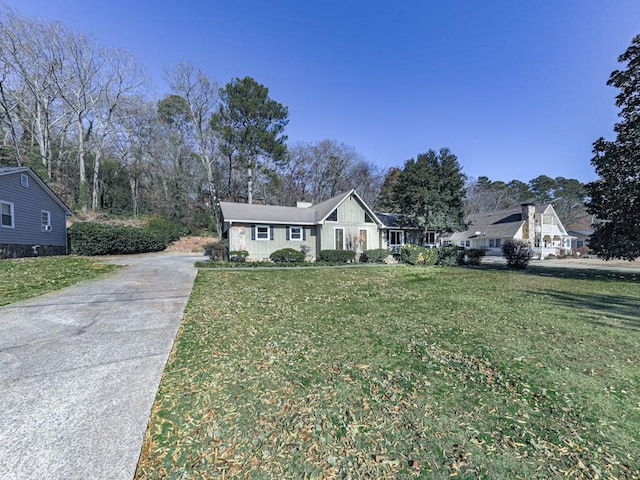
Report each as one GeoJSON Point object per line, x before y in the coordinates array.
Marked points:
{"type": "Point", "coordinates": [417, 255]}
{"type": "Point", "coordinates": [340, 256]}
{"type": "Point", "coordinates": [518, 253]}
{"type": "Point", "coordinates": [169, 230]}
{"type": "Point", "coordinates": [88, 238]}
{"type": "Point", "coordinates": [287, 255]}
{"type": "Point", "coordinates": [378, 255]}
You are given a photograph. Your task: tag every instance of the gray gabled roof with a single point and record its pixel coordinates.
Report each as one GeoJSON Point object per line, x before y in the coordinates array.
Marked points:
{"type": "Point", "coordinates": [395, 220]}
{"type": "Point", "coordinates": [500, 224]}
{"type": "Point", "coordinates": [313, 215]}
{"type": "Point", "coordinates": [39, 181]}
{"type": "Point", "coordinates": [251, 213]}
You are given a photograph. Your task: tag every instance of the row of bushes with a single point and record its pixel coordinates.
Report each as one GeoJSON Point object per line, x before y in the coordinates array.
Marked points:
{"type": "Point", "coordinates": [446, 256]}
{"type": "Point", "coordinates": [517, 253]}
{"type": "Point", "coordinates": [90, 238]}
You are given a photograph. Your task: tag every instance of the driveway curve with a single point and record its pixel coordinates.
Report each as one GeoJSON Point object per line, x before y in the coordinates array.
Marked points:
{"type": "Point", "coordinates": [80, 367]}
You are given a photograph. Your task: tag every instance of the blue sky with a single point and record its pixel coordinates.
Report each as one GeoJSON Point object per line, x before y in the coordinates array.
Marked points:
{"type": "Point", "coordinates": [515, 89]}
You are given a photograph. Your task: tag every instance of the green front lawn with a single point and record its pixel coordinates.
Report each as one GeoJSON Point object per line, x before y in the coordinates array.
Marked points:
{"type": "Point", "coordinates": [402, 373]}
{"type": "Point", "coordinates": [24, 278]}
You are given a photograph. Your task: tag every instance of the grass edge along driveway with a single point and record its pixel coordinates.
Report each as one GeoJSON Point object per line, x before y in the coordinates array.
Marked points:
{"type": "Point", "coordinates": [401, 373]}
{"type": "Point", "coordinates": [24, 278]}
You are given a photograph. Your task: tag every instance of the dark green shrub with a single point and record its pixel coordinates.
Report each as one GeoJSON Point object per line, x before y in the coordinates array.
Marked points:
{"type": "Point", "coordinates": [89, 238]}
{"type": "Point", "coordinates": [169, 230]}
{"type": "Point", "coordinates": [238, 256]}
{"type": "Point", "coordinates": [218, 252]}
{"type": "Point", "coordinates": [287, 255]}
{"type": "Point", "coordinates": [518, 253]}
{"type": "Point", "coordinates": [450, 255]}
{"type": "Point", "coordinates": [474, 256]}
{"type": "Point", "coordinates": [339, 256]}
{"type": "Point", "coordinates": [417, 255]}
{"type": "Point", "coordinates": [378, 255]}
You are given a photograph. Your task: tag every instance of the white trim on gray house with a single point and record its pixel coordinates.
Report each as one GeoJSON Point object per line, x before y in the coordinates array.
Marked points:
{"type": "Point", "coordinates": [33, 219]}
{"type": "Point", "coordinates": [316, 223]}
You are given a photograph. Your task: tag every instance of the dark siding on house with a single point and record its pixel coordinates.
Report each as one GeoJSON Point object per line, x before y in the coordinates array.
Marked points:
{"type": "Point", "coordinates": [28, 204]}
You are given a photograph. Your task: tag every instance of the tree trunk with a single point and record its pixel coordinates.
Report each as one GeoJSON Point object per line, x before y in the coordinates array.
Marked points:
{"type": "Point", "coordinates": [249, 185]}
{"type": "Point", "coordinates": [96, 179]}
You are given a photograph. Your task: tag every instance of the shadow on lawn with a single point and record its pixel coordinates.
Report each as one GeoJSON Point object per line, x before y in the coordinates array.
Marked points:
{"type": "Point", "coordinates": [600, 309]}
{"type": "Point", "coordinates": [572, 273]}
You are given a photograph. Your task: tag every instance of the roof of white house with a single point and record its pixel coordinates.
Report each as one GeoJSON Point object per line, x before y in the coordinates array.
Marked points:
{"type": "Point", "coordinates": [308, 215]}
{"type": "Point", "coordinates": [499, 224]}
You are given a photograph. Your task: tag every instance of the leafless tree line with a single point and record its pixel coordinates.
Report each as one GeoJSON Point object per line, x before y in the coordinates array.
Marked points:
{"type": "Point", "coordinates": [80, 114]}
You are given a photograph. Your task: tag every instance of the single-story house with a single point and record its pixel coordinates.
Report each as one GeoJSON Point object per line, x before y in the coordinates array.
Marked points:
{"type": "Point", "coordinates": [539, 225]}
{"type": "Point", "coordinates": [580, 238]}
{"type": "Point", "coordinates": [344, 222]}
{"type": "Point", "coordinates": [33, 219]}
{"type": "Point", "coordinates": [397, 230]}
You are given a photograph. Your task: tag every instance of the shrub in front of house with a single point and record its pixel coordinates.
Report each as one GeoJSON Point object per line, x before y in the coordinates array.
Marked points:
{"type": "Point", "coordinates": [287, 255]}
{"type": "Point", "coordinates": [238, 256]}
{"type": "Point", "coordinates": [473, 256]}
{"type": "Point", "coordinates": [450, 255]}
{"type": "Point", "coordinates": [378, 255]}
{"type": "Point", "coordinates": [338, 256]}
{"type": "Point", "coordinates": [417, 255]}
{"type": "Point", "coordinates": [88, 238]}
{"type": "Point", "coordinates": [518, 253]}
{"type": "Point", "coordinates": [217, 251]}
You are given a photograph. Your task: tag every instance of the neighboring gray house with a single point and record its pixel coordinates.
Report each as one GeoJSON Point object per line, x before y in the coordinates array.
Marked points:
{"type": "Point", "coordinates": [33, 220]}
{"type": "Point", "coordinates": [396, 231]}
{"type": "Point", "coordinates": [344, 222]}
{"type": "Point", "coordinates": [580, 238]}
{"type": "Point", "coordinates": [537, 224]}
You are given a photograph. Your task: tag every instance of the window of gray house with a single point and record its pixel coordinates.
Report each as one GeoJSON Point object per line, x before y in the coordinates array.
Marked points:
{"type": "Point", "coordinates": [45, 220]}
{"type": "Point", "coordinates": [333, 217]}
{"type": "Point", "coordinates": [6, 214]}
{"type": "Point", "coordinates": [295, 233]}
{"type": "Point", "coordinates": [262, 232]}
{"type": "Point", "coordinates": [24, 180]}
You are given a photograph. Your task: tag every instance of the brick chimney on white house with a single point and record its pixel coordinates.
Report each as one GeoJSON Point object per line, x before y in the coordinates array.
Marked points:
{"type": "Point", "coordinates": [529, 226]}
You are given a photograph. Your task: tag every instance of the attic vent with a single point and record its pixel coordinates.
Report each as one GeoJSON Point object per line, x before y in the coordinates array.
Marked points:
{"type": "Point", "coordinates": [24, 180]}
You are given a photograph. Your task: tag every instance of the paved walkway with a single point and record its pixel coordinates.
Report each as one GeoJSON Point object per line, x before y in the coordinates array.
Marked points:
{"type": "Point", "coordinates": [79, 370]}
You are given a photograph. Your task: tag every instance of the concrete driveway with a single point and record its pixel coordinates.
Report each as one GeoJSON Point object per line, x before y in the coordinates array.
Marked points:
{"type": "Point", "coordinates": [79, 370]}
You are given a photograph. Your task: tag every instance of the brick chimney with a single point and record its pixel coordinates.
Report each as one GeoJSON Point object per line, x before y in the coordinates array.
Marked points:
{"type": "Point", "coordinates": [529, 227]}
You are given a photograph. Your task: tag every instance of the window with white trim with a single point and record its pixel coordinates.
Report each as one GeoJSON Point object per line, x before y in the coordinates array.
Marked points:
{"type": "Point", "coordinates": [295, 233]}
{"type": "Point", "coordinates": [262, 232]}
{"type": "Point", "coordinates": [6, 214]}
{"type": "Point", "coordinates": [24, 180]}
{"type": "Point", "coordinates": [45, 221]}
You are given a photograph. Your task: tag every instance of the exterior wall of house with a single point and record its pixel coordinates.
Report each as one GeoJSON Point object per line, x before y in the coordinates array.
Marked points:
{"type": "Point", "coordinates": [351, 220]}
{"type": "Point", "coordinates": [28, 202]}
{"type": "Point", "coordinates": [241, 237]}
